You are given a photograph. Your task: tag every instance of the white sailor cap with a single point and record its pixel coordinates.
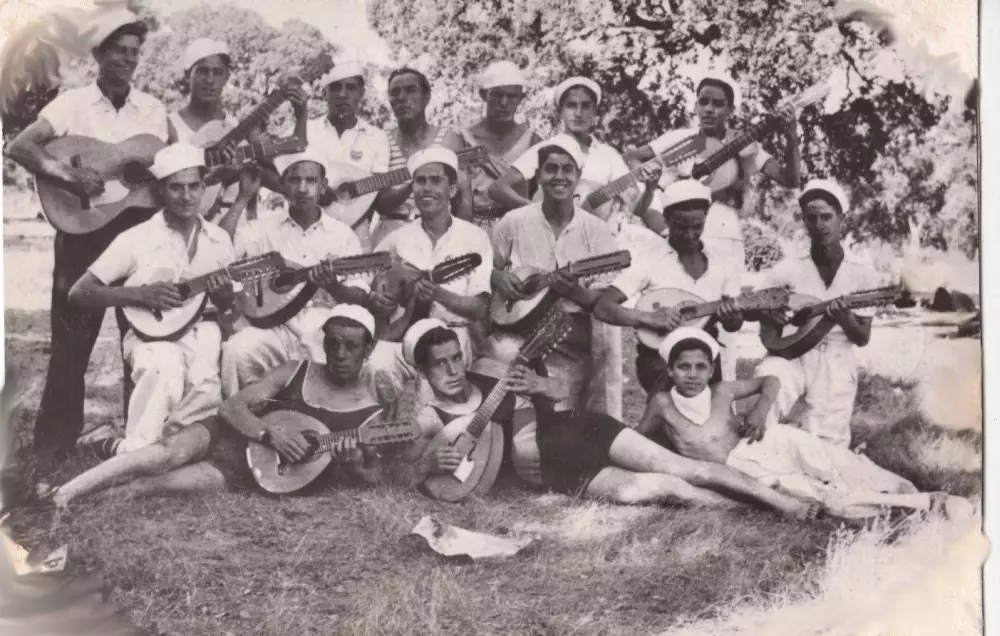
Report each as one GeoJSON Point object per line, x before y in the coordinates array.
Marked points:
{"type": "Point", "coordinates": [342, 70]}
{"type": "Point", "coordinates": [200, 49]}
{"type": "Point", "coordinates": [434, 154]}
{"type": "Point", "coordinates": [686, 190]}
{"type": "Point", "coordinates": [574, 82]}
{"type": "Point", "coordinates": [829, 187]}
{"type": "Point", "coordinates": [726, 80]}
{"type": "Point", "coordinates": [568, 143]}
{"type": "Point", "coordinates": [502, 73]}
{"type": "Point", "coordinates": [311, 153]}
{"type": "Point", "coordinates": [176, 157]}
{"type": "Point", "coordinates": [105, 22]}
{"type": "Point", "coordinates": [357, 313]}
{"type": "Point", "coordinates": [687, 333]}
{"type": "Point", "coordinates": [414, 334]}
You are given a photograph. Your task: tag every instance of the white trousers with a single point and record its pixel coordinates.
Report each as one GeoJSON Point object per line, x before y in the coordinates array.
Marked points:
{"type": "Point", "coordinates": [828, 378]}
{"type": "Point", "coordinates": [252, 353]}
{"type": "Point", "coordinates": [176, 383]}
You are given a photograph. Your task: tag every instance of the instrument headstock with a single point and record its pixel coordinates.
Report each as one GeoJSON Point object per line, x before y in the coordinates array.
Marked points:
{"type": "Point", "coordinates": [874, 297]}
{"type": "Point", "coordinates": [764, 299]}
{"type": "Point", "coordinates": [553, 329]}
{"type": "Point", "coordinates": [257, 266]}
{"type": "Point", "coordinates": [682, 151]}
{"type": "Point", "coordinates": [455, 268]}
{"type": "Point", "coordinates": [362, 263]}
{"type": "Point", "coordinates": [810, 96]}
{"type": "Point", "coordinates": [601, 264]}
{"type": "Point", "coordinates": [315, 69]}
{"type": "Point", "coordinates": [472, 157]}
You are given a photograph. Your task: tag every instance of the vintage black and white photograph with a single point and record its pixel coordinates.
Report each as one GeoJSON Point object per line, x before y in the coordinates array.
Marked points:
{"type": "Point", "coordinates": [590, 317]}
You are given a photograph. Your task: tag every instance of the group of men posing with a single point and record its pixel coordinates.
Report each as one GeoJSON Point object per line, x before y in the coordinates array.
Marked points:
{"type": "Point", "coordinates": [192, 404]}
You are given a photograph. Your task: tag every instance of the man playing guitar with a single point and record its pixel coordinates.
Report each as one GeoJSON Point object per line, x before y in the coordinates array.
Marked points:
{"type": "Point", "coordinates": [502, 89]}
{"type": "Point", "coordinates": [210, 455]}
{"type": "Point", "coordinates": [344, 137]}
{"type": "Point", "coordinates": [682, 261]}
{"type": "Point", "coordinates": [409, 95]}
{"type": "Point", "coordinates": [718, 98]}
{"type": "Point", "coordinates": [547, 236]}
{"type": "Point", "coordinates": [176, 382]}
{"type": "Point", "coordinates": [110, 110]}
{"type": "Point", "coordinates": [828, 374]}
{"type": "Point", "coordinates": [436, 237]}
{"type": "Point", "coordinates": [304, 236]}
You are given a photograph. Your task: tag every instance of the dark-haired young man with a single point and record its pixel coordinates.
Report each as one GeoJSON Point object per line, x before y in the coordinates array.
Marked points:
{"type": "Point", "coordinates": [210, 454]}
{"type": "Point", "coordinates": [409, 95]}
{"type": "Point", "coordinates": [110, 110]}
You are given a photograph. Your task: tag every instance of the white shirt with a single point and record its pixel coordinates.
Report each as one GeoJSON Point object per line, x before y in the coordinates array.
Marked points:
{"type": "Point", "coordinates": [154, 245]}
{"type": "Point", "coordinates": [662, 267]}
{"type": "Point", "coordinates": [799, 272]}
{"type": "Point", "coordinates": [87, 111]}
{"type": "Point", "coordinates": [412, 244]}
{"type": "Point", "coordinates": [364, 146]}
{"type": "Point", "coordinates": [525, 238]}
{"type": "Point", "coordinates": [327, 238]}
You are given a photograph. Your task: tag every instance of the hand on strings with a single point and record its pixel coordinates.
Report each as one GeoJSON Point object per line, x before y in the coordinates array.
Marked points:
{"type": "Point", "coordinates": [346, 451]}
{"type": "Point", "coordinates": [425, 290]}
{"type": "Point", "coordinates": [563, 283]}
{"type": "Point", "coordinates": [445, 459]}
{"type": "Point", "coordinates": [86, 181]}
{"type": "Point", "coordinates": [508, 285]}
{"type": "Point", "coordinates": [220, 289]}
{"type": "Point", "coordinates": [728, 312]}
{"type": "Point", "coordinates": [323, 276]}
{"type": "Point", "coordinates": [664, 319]}
{"type": "Point", "coordinates": [291, 445]}
{"type": "Point", "coordinates": [651, 173]}
{"type": "Point", "coordinates": [838, 311]}
{"type": "Point", "coordinates": [159, 296]}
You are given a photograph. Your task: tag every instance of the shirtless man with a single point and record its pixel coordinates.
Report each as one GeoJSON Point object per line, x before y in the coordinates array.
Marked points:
{"type": "Point", "coordinates": [699, 421]}
{"type": "Point", "coordinates": [577, 453]}
{"type": "Point", "coordinates": [409, 95]}
{"type": "Point", "coordinates": [502, 89]}
{"type": "Point", "coordinates": [210, 455]}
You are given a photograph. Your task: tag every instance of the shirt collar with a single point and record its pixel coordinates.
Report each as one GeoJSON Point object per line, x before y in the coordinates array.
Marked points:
{"type": "Point", "coordinates": [326, 222]}
{"type": "Point", "coordinates": [573, 224]}
{"type": "Point", "coordinates": [96, 95]}
{"type": "Point", "coordinates": [206, 229]}
{"type": "Point", "coordinates": [361, 126]}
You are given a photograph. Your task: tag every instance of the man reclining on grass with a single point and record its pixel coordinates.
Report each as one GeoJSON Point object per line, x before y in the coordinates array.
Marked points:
{"type": "Point", "coordinates": [700, 422]}
{"type": "Point", "coordinates": [210, 455]}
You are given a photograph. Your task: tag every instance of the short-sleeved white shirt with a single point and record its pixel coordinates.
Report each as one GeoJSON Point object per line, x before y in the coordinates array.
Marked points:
{"type": "Point", "coordinates": [800, 274]}
{"type": "Point", "coordinates": [87, 111]}
{"type": "Point", "coordinates": [412, 244]}
{"type": "Point", "coordinates": [363, 146]}
{"type": "Point", "coordinates": [661, 267]}
{"type": "Point", "coordinates": [154, 245]}
{"type": "Point", "coordinates": [525, 238]}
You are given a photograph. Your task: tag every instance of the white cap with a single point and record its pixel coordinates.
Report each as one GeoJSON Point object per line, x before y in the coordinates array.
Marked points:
{"type": "Point", "coordinates": [568, 143]}
{"type": "Point", "coordinates": [357, 313]}
{"type": "Point", "coordinates": [830, 187]}
{"type": "Point", "coordinates": [722, 78]}
{"type": "Point", "coordinates": [685, 333]}
{"type": "Point", "coordinates": [415, 333]}
{"type": "Point", "coordinates": [573, 82]}
{"type": "Point", "coordinates": [311, 153]}
{"type": "Point", "coordinates": [686, 190]}
{"type": "Point", "coordinates": [105, 22]}
{"type": "Point", "coordinates": [342, 70]}
{"type": "Point", "coordinates": [434, 154]}
{"type": "Point", "coordinates": [200, 49]}
{"type": "Point", "coordinates": [177, 157]}
{"type": "Point", "coordinates": [503, 73]}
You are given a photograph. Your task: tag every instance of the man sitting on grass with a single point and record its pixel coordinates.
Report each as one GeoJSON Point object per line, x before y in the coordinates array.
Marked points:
{"type": "Point", "coordinates": [210, 455]}
{"type": "Point", "coordinates": [700, 422]}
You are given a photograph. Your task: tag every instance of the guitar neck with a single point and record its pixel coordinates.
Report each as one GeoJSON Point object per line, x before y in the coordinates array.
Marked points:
{"type": "Point", "coordinates": [214, 156]}
{"type": "Point", "coordinates": [853, 301]}
{"type": "Point", "coordinates": [730, 150]}
{"type": "Point", "coordinates": [257, 117]}
{"type": "Point", "coordinates": [484, 414]}
{"type": "Point", "coordinates": [608, 192]}
{"type": "Point", "coordinates": [327, 441]}
{"type": "Point", "coordinates": [690, 312]}
{"type": "Point", "coordinates": [383, 180]}
{"type": "Point", "coordinates": [199, 284]}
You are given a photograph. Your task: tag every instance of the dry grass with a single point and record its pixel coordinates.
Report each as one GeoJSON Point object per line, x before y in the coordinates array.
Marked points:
{"type": "Point", "coordinates": [337, 561]}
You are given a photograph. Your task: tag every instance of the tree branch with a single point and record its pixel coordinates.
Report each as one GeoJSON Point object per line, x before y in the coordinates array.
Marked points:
{"type": "Point", "coordinates": [854, 65]}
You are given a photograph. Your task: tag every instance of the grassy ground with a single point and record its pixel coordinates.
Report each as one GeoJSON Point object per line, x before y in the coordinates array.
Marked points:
{"type": "Point", "coordinates": [338, 561]}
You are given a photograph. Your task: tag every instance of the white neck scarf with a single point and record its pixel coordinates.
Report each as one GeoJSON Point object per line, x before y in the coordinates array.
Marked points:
{"type": "Point", "coordinates": [697, 409]}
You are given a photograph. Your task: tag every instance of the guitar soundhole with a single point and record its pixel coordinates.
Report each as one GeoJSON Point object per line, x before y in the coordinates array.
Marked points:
{"type": "Point", "coordinates": [656, 305]}
{"type": "Point", "coordinates": [134, 173]}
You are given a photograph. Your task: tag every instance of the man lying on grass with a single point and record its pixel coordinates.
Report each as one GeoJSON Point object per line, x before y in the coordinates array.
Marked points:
{"type": "Point", "coordinates": [210, 455]}
{"type": "Point", "coordinates": [577, 453]}
{"type": "Point", "coordinates": [700, 422]}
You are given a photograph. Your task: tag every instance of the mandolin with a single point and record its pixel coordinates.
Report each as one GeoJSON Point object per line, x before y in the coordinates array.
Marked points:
{"type": "Point", "coordinates": [520, 316]}
{"type": "Point", "coordinates": [811, 324]}
{"type": "Point", "coordinates": [171, 324]}
{"type": "Point", "coordinates": [696, 312]}
{"type": "Point", "coordinates": [124, 166]}
{"type": "Point", "coordinates": [274, 299]}
{"type": "Point", "coordinates": [352, 190]}
{"type": "Point", "coordinates": [476, 437]}
{"type": "Point", "coordinates": [399, 284]}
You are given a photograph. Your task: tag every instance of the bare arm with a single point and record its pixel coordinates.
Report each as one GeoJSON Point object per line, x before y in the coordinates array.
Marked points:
{"type": "Point", "coordinates": [89, 291]}
{"type": "Point", "coordinates": [788, 175]}
{"type": "Point", "coordinates": [238, 410]}
{"type": "Point", "coordinates": [28, 149]}
{"type": "Point", "coordinates": [510, 190]}
{"type": "Point", "coordinates": [652, 419]}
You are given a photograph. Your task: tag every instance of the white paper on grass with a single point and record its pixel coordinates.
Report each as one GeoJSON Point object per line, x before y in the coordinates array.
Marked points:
{"type": "Point", "coordinates": [450, 541]}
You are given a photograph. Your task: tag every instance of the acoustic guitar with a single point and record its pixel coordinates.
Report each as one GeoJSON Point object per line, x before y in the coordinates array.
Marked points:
{"type": "Point", "coordinates": [171, 324]}
{"type": "Point", "coordinates": [124, 166]}
{"type": "Point", "coordinates": [399, 284]}
{"type": "Point", "coordinates": [274, 299]}
{"type": "Point", "coordinates": [215, 136]}
{"type": "Point", "coordinates": [352, 190]}
{"type": "Point", "coordinates": [519, 316]}
{"type": "Point", "coordinates": [278, 476]}
{"type": "Point", "coordinates": [696, 312]}
{"type": "Point", "coordinates": [476, 437]}
{"type": "Point", "coordinates": [810, 323]}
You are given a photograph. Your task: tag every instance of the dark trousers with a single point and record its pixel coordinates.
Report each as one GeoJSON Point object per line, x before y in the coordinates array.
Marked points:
{"type": "Point", "coordinates": [74, 332]}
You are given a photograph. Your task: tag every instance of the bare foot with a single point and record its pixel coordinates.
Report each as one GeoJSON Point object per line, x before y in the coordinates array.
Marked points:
{"type": "Point", "coordinates": [803, 510]}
